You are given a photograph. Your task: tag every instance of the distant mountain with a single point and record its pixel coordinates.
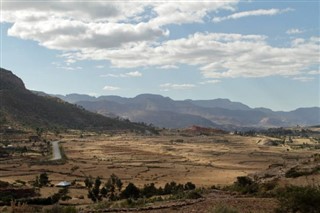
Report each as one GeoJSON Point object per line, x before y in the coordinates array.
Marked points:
{"type": "Point", "coordinates": [21, 107]}
{"type": "Point", "coordinates": [74, 98]}
{"type": "Point", "coordinates": [220, 103]}
{"type": "Point", "coordinates": [219, 113]}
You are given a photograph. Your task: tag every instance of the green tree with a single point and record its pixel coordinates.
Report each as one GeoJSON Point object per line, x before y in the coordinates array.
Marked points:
{"type": "Point", "coordinates": [43, 179]}
{"type": "Point", "coordinates": [94, 192]}
{"type": "Point", "coordinates": [149, 190]}
{"type": "Point", "coordinates": [189, 186]}
{"type": "Point", "coordinates": [113, 187]}
{"type": "Point", "coordinates": [39, 131]}
{"type": "Point", "coordinates": [131, 191]}
{"type": "Point", "coordinates": [88, 182]}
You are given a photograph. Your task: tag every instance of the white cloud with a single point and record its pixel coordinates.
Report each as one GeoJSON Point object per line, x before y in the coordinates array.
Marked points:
{"type": "Point", "coordinates": [261, 12]}
{"type": "Point", "coordinates": [169, 86]}
{"type": "Point", "coordinates": [79, 26]}
{"type": "Point", "coordinates": [100, 66]}
{"type": "Point", "coordinates": [219, 55]}
{"type": "Point", "coordinates": [215, 81]}
{"type": "Point", "coordinates": [125, 75]}
{"type": "Point", "coordinates": [303, 78]}
{"type": "Point", "coordinates": [110, 88]}
{"type": "Point", "coordinates": [294, 31]}
{"type": "Point", "coordinates": [166, 67]}
{"type": "Point", "coordinates": [69, 68]}
{"type": "Point", "coordinates": [181, 11]}
{"type": "Point", "coordinates": [314, 72]}
{"type": "Point", "coordinates": [134, 74]}
{"type": "Point", "coordinates": [135, 35]}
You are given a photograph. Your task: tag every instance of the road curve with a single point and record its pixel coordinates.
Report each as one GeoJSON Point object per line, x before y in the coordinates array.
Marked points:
{"type": "Point", "coordinates": [56, 150]}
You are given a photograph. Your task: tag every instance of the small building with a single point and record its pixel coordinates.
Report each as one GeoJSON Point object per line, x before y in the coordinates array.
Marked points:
{"type": "Point", "coordinates": [63, 184]}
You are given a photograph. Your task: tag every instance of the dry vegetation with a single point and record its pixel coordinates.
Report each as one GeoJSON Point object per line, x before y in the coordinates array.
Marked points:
{"type": "Point", "coordinates": [171, 156]}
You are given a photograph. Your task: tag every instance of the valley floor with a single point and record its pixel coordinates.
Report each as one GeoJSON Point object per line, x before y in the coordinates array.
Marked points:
{"type": "Point", "coordinates": [203, 160]}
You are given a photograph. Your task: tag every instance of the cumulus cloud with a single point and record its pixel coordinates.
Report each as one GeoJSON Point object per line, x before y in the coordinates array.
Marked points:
{"type": "Point", "coordinates": [65, 25]}
{"type": "Point", "coordinates": [261, 12]}
{"type": "Point", "coordinates": [110, 88]}
{"type": "Point", "coordinates": [219, 55]}
{"type": "Point", "coordinates": [170, 86]}
{"type": "Point", "coordinates": [135, 35]}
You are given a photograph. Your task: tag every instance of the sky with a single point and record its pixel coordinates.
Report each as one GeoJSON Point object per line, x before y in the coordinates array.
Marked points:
{"type": "Point", "coordinates": [261, 53]}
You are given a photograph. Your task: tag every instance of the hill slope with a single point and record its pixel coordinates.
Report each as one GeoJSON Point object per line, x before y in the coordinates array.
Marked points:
{"type": "Point", "coordinates": [165, 112]}
{"type": "Point", "coordinates": [21, 107]}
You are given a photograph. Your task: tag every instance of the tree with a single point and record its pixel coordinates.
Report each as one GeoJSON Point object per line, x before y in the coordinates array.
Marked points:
{"type": "Point", "coordinates": [88, 182]}
{"type": "Point", "coordinates": [94, 192]}
{"type": "Point", "coordinates": [39, 131]}
{"type": "Point", "coordinates": [131, 191]}
{"type": "Point", "coordinates": [43, 179]}
{"type": "Point", "coordinates": [149, 190]}
{"type": "Point", "coordinates": [189, 186]}
{"type": "Point", "coordinates": [112, 184]}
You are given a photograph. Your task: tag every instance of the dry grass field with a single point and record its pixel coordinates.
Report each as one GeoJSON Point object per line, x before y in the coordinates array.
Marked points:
{"type": "Point", "coordinates": [204, 160]}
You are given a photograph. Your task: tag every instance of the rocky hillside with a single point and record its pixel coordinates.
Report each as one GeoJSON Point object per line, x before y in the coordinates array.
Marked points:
{"type": "Point", "coordinates": [21, 107]}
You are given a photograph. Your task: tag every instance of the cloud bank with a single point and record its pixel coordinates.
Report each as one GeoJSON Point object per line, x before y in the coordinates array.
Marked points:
{"type": "Point", "coordinates": [137, 35]}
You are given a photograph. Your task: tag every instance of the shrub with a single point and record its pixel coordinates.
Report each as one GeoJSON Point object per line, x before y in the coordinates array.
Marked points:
{"type": "Point", "coordinates": [295, 172]}
{"type": "Point", "coordinates": [61, 209]}
{"type": "Point", "coordinates": [4, 184]}
{"type": "Point", "coordinates": [303, 199]}
{"type": "Point", "coordinates": [246, 185]}
{"type": "Point", "coordinates": [223, 209]}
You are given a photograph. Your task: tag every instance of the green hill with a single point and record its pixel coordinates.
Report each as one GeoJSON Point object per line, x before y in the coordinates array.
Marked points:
{"type": "Point", "coordinates": [22, 108]}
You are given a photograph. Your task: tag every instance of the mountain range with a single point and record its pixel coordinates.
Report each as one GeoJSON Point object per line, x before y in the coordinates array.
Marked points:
{"type": "Point", "coordinates": [217, 113]}
{"type": "Point", "coordinates": [20, 107]}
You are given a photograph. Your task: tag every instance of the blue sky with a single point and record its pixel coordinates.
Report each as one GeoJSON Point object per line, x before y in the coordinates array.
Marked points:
{"type": "Point", "coordinates": [261, 53]}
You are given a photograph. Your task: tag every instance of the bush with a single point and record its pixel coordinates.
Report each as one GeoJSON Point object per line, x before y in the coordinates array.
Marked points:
{"type": "Point", "coordinates": [61, 209]}
{"type": "Point", "coordinates": [303, 199]}
{"type": "Point", "coordinates": [4, 184]}
{"type": "Point", "coordinates": [295, 172]}
{"type": "Point", "coordinates": [246, 185]}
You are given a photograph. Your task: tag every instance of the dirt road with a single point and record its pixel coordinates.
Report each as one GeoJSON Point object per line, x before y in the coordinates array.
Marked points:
{"type": "Point", "coordinates": [56, 150]}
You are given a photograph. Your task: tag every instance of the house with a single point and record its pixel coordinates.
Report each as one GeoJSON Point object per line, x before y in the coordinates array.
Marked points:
{"type": "Point", "coordinates": [63, 184]}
